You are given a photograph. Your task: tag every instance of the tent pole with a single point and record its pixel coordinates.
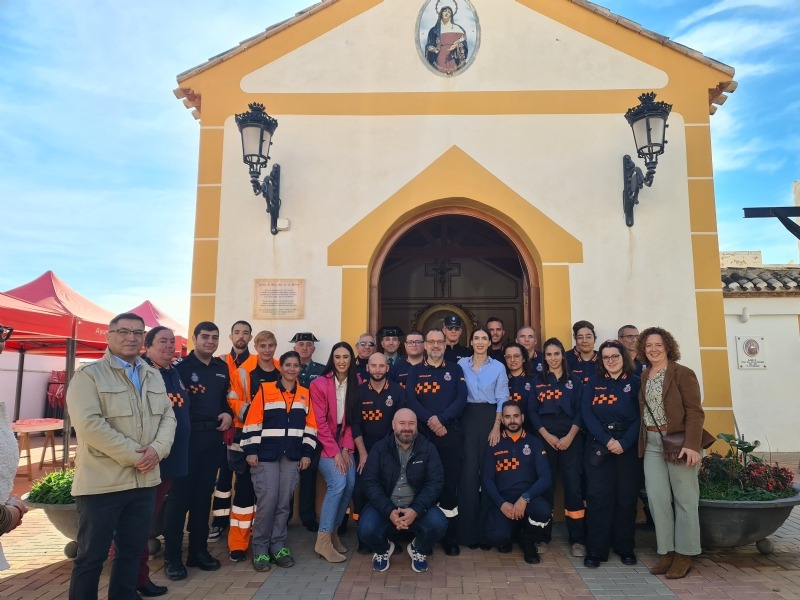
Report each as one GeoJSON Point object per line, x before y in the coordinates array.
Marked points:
{"type": "Point", "coordinates": [20, 371]}
{"type": "Point", "coordinates": [70, 368]}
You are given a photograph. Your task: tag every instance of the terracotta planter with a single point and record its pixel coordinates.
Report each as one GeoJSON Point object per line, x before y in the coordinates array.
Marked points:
{"type": "Point", "coordinates": [727, 524]}
{"type": "Point", "coordinates": [64, 518]}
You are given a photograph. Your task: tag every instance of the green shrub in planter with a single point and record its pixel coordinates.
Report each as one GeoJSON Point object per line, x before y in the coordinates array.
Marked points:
{"type": "Point", "coordinates": [55, 488]}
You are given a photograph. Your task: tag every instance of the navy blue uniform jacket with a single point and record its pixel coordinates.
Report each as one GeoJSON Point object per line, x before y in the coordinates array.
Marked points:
{"type": "Point", "coordinates": [424, 473]}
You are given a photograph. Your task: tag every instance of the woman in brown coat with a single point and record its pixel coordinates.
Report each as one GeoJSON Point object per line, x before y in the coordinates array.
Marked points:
{"type": "Point", "coordinates": [669, 401]}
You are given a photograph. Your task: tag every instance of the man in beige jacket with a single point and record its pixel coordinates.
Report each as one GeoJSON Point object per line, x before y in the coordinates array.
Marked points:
{"type": "Point", "coordinates": [125, 426]}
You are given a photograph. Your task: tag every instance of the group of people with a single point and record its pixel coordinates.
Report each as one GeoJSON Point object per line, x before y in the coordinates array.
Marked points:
{"type": "Point", "coordinates": [439, 443]}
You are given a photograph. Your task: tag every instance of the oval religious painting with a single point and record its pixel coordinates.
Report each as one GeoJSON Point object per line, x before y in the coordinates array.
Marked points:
{"type": "Point", "coordinates": [448, 35]}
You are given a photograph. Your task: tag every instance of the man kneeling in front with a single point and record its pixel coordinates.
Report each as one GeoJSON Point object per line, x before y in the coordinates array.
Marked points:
{"type": "Point", "coordinates": [402, 479]}
{"type": "Point", "coordinates": [516, 476]}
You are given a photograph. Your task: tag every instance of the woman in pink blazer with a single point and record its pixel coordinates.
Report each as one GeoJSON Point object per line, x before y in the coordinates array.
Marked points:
{"type": "Point", "coordinates": [334, 395]}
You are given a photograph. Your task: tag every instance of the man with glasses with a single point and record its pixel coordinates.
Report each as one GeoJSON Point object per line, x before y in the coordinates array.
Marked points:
{"type": "Point", "coordinates": [454, 351]}
{"type": "Point", "coordinates": [365, 347]}
{"type": "Point", "coordinates": [437, 393]}
{"type": "Point", "coordinates": [125, 426]}
{"type": "Point", "coordinates": [415, 350]}
{"type": "Point", "coordinates": [207, 380]}
{"type": "Point", "coordinates": [628, 335]}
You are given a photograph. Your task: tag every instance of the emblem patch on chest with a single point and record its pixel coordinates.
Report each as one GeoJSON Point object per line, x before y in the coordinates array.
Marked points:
{"type": "Point", "coordinates": [526, 450]}
{"type": "Point", "coordinates": [195, 378]}
{"type": "Point", "coordinates": [447, 376]}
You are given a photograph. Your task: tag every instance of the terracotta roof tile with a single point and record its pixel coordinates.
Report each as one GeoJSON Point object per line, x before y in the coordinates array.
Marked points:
{"type": "Point", "coordinates": [783, 280]}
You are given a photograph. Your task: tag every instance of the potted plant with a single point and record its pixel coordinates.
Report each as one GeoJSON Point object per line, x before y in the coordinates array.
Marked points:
{"type": "Point", "coordinates": [742, 498]}
{"type": "Point", "coordinates": [53, 495]}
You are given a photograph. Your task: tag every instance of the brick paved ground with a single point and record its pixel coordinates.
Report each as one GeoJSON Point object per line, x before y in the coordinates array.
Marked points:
{"type": "Point", "coordinates": [41, 572]}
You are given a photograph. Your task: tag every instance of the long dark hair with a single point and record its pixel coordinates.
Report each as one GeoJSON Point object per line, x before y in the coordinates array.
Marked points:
{"type": "Point", "coordinates": [627, 363]}
{"type": "Point", "coordinates": [526, 361]}
{"type": "Point", "coordinates": [351, 397]}
{"type": "Point", "coordinates": [564, 364]}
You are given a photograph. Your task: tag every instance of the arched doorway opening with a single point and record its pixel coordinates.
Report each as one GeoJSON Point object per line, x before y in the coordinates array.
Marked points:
{"type": "Point", "coordinates": [452, 260]}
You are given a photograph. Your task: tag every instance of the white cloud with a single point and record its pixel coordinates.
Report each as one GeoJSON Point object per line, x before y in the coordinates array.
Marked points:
{"type": "Point", "coordinates": [732, 39]}
{"type": "Point", "coordinates": [726, 5]}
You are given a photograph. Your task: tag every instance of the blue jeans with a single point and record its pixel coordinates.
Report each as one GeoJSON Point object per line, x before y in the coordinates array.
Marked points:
{"type": "Point", "coordinates": [374, 529]}
{"type": "Point", "coordinates": [337, 495]}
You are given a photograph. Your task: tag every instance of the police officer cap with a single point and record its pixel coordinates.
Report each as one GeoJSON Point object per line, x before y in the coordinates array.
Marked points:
{"type": "Point", "coordinates": [305, 336]}
{"type": "Point", "coordinates": [453, 321]}
{"type": "Point", "coordinates": [390, 331]}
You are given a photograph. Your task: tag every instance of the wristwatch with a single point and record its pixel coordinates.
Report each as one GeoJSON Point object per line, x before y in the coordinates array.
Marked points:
{"type": "Point", "coordinates": [526, 497]}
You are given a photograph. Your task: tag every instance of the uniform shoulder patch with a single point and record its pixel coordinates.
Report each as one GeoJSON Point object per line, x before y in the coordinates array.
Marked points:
{"type": "Point", "coordinates": [178, 361]}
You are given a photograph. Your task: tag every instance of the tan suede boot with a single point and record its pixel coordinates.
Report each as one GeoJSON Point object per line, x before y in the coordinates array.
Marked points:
{"type": "Point", "coordinates": [663, 564]}
{"type": "Point", "coordinates": [681, 565]}
{"type": "Point", "coordinates": [337, 543]}
{"type": "Point", "coordinates": [324, 548]}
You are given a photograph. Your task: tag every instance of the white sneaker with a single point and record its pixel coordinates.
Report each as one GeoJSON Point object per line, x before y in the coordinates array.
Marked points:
{"type": "Point", "coordinates": [215, 534]}
{"type": "Point", "coordinates": [419, 562]}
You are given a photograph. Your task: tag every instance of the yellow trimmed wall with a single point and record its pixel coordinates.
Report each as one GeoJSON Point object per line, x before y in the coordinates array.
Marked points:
{"type": "Point", "coordinates": [463, 176]}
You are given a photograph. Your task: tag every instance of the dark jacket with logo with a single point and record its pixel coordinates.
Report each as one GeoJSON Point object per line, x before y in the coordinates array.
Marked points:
{"type": "Point", "coordinates": [424, 473]}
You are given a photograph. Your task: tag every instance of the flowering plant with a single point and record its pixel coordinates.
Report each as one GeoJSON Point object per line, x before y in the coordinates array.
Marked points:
{"type": "Point", "coordinates": [740, 476]}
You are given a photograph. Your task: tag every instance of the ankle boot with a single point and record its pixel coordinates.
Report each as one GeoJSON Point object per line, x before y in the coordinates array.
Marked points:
{"type": "Point", "coordinates": [336, 542]}
{"type": "Point", "coordinates": [324, 548]}
{"type": "Point", "coordinates": [681, 565]}
{"type": "Point", "coordinates": [663, 564]}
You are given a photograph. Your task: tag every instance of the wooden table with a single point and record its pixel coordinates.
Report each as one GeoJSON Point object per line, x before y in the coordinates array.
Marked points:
{"type": "Point", "coordinates": [25, 427]}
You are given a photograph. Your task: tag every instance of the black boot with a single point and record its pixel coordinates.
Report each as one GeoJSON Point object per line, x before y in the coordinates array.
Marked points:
{"type": "Point", "coordinates": [449, 540]}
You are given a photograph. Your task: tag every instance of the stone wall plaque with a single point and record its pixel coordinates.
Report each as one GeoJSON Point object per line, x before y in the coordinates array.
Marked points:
{"type": "Point", "coordinates": [750, 352]}
{"type": "Point", "coordinates": [279, 299]}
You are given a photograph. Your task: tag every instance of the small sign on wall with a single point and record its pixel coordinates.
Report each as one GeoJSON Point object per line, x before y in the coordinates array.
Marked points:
{"type": "Point", "coordinates": [279, 298]}
{"type": "Point", "coordinates": [750, 352]}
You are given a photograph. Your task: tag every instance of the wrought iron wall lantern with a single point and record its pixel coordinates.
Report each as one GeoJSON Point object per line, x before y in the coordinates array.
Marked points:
{"type": "Point", "coordinates": [257, 128]}
{"type": "Point", "coordinates": [649, 124]}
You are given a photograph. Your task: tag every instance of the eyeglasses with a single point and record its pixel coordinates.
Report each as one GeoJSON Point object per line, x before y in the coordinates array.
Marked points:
{"type": "Point", "coordinates": [126, 332]}
{"type": "Point", "coordinates": [611, 357]}
{"type": "Point", "coordinates": [584, 338]}
{"type": "Point", "coordinates": [513, 357]}
{"type": "Point", "coordinates": [632, 336]}
{"type": "Point", "coordinates": [367, 344]}
{"type": "Point", "coordinates": [453, 327]}
{"type": "Point", "coordinates": [435, 342]}
{"type": "Point", "coordinates": [414, 342]}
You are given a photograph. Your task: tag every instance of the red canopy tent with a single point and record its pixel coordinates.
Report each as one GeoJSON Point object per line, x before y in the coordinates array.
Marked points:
{"type": "Point", "coordinates": [153, 317]}
{"type": "Point", "coordinates": [89, 321]}
{"type": "Point", "coordinates": [85, 335]}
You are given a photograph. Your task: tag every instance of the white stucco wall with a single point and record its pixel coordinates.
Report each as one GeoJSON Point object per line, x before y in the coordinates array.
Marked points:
{"type": "Point", "coordinates": [376, 51]}
{"type": "Point", "coordinates": [337, 169]}
{"type": "Point", "coordinates": [765, 403]}
{"type": "Point", "coordinates": [34, 382]}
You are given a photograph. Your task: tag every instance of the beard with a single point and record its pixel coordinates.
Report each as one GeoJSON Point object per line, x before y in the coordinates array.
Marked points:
{"type": "Point", "coordinates": [405, 437]}
{"type": "Point", "coordinates": [513, 427]}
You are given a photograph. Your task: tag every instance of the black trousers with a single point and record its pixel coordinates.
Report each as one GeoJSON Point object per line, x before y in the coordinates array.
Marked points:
{"type": "Point", "coordinates": [307, 504]}
{"type": "Point", "coordinates": [477, 421]}
{"type": "Point", "coordinates": [192, 494]}
{"type": "Point", "coordinates": [568, 464]}
{"type": "Point", "coordinates": [450, 448]}
{"type": "Point", "coordinates": [612, 490]}
{"type": "Point", "coordinates": [221, 505]}
{"type": "Point", "coordinates": [122, 517]}
{"type": "Point", "coordinates": [500, 529]}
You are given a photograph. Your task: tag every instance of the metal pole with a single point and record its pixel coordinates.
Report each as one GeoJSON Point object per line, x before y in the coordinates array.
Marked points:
{"type": "Point", "coordinates": [20, 372]}
{"type": "Point", "coordinates": [70, 370]}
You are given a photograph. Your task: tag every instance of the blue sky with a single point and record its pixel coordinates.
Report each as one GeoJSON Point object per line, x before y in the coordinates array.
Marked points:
{"type": "Point", "coordinates": [98, 160]}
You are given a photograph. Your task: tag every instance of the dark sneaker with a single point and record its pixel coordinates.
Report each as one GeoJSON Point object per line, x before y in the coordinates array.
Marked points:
{"type": "Point", "coordinates": [175, 570]}
{"type": "Point", "coordinates": [261, 563]}
{"type": "Point", "coordinates": [215, 534]}
{"type": "Point", "coordinates": [419, 562]}
{"type": "Point", "coordinates": [283, 558]}
{"type": "Point", "coordinates": [380, 562]}
{"type": "Point", "coordinates": [238, 556]}
{"type": "Point", "coordinates": [203, 561]}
